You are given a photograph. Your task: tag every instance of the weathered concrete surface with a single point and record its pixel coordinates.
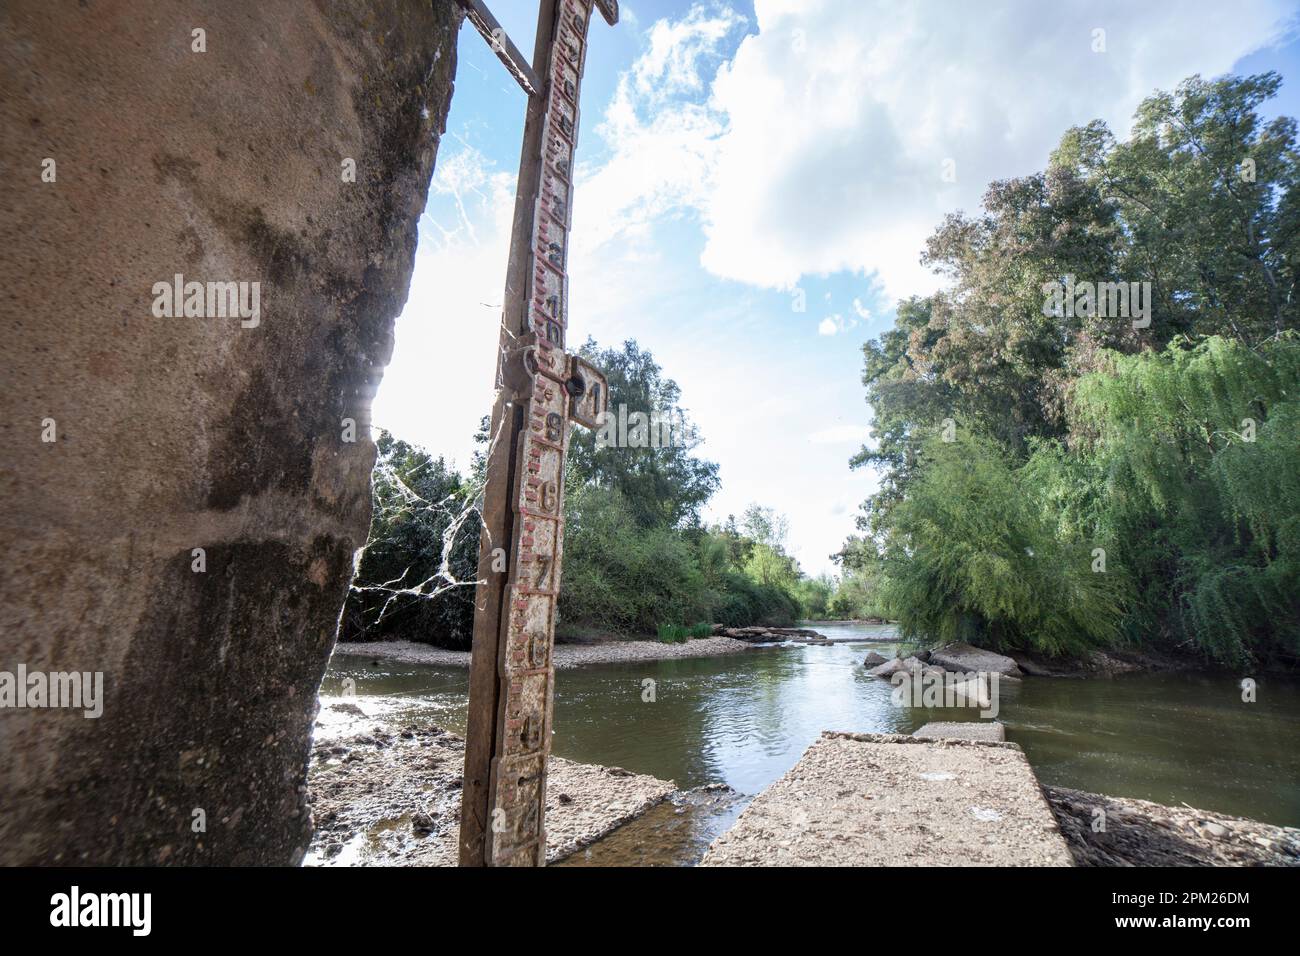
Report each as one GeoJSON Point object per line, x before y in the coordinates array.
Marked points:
{"type": "Point", "coordinates": [990, 730]}
{"type": "Point", "coordinates": [889, 800]}
{"type": "Point", "coordinates": [183, 433]}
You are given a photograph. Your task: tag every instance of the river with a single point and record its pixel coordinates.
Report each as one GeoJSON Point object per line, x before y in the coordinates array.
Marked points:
{"type": "Point", "coordinates": [744, 720]}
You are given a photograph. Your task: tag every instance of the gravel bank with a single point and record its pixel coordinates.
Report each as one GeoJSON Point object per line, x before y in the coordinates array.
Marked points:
{"type": "Point", "coordinates": [1139, 833]}
{"type": "Point", "coordinates": [566, 655]}
{"type": "Point", "coordinates": [388, 794]}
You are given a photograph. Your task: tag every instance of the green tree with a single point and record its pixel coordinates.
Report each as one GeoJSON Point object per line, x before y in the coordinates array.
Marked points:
{"type": "Point", "coordinates": [1205, 191]}
{"type": "Point", "coordinates": [1199, 202]}
{"type": "Point", "coordinates": [814, 595]}
{"type": "Point", "coordinates": [661, 486]}
{"type": "Point", "coordinates": [970, 557]}
{"type": "Point", "coordinates": [1185, 466]}
{"type": "Point", "coordinates": [1015, 440]}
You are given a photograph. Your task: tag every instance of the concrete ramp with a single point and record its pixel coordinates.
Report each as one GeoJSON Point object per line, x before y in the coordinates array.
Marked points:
{"type": "Point", "coordinates": [890, 800]}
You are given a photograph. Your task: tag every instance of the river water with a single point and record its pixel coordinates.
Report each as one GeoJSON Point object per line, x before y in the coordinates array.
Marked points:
{"type": "Point", "coordinates": [744, 720]}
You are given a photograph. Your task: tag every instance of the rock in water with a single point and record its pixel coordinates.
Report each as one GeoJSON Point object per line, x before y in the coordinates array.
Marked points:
{"type": "Point", "coordinates": [964, 657]}
{"type": "Point", "coordinates": [873, 660]}
{"type": "Point", "coordinates": [888, 669]}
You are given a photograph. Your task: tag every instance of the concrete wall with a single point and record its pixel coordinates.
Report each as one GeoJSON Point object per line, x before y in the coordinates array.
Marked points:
{"type": "Point", "coordinates": [177, 433]}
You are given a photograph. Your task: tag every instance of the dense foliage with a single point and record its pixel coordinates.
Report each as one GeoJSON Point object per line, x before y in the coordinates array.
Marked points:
{"type": "Point", "coordinates": [1061, 478]}
{"type": "Point", "coordinates": [1186, 467]}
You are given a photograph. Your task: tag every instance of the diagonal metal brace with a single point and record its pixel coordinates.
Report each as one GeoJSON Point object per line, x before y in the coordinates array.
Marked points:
{"type": "Point", "coordinates": [492, 31]}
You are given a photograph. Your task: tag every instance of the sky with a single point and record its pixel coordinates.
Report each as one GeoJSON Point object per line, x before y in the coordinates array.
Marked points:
{"type": "Point", "coordinates": [755, 183]}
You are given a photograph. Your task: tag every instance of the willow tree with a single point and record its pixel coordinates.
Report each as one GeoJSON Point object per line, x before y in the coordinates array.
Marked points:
{"type": "Point", "coordinates": [970, 556]}
{"type": "Point", "coordinates": [1193, 455]}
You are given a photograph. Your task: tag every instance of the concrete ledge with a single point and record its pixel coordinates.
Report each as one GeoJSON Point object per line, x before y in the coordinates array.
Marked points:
{"type": "Point", "coordinates": [963, 730]}
{"type": "Point", "coordinates": [894, 800]}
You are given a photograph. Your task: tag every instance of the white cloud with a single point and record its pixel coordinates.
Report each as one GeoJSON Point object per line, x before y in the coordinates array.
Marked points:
{"type": "Point", "coordinates": [836, 323]}
{"type": "Point", "coordinates": [822, 143]}
{"type": "Point", "coordinates": [661, 135]}
{"type": "Point", "coordinates": [672, 64]}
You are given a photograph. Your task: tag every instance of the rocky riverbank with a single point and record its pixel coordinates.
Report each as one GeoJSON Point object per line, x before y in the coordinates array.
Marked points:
{"type": "Point", "coordinates": [387, 793]}
{"type": "Point", "coordinates": [1018, 663]}
{"type": "Point", "coordinates": [966, 658]}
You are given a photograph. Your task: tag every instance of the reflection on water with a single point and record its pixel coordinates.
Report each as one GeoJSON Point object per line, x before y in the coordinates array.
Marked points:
{"type": "Point", "coordinates": [676, 832]}
{"type": "Point", "coordinates": [745, 719]}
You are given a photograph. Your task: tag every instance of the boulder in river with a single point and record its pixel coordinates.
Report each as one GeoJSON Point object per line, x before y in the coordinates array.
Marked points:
{"type": "Point", "coordinates": [888, 669]}
{"type": "Point", "coordinates": [964, 657]}
{"type": "Point", "coordinates": [873, 659]}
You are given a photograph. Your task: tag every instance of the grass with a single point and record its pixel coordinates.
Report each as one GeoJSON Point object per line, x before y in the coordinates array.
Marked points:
{"type": "Point", "coordinates": [677, 634]}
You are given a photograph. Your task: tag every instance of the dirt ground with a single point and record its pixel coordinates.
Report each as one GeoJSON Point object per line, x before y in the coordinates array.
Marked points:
{"type": "Point", "coordinates": [388, 794]}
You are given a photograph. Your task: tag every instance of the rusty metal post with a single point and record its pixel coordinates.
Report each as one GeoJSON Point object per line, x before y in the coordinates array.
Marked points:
{"type": "Point", "coordinates": [540, 390]}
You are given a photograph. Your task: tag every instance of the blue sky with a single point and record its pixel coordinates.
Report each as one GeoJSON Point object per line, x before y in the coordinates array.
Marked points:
{"type": "Point", "coordinates": [739, 159]}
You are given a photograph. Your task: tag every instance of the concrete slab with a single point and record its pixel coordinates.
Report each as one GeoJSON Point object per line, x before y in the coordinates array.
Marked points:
{"type": "Point", "coordinates": [991, 730]}
{"type": "Point", "coordinates": [893, 800]}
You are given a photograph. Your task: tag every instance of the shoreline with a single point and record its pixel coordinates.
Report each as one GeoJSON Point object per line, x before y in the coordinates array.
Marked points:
{"type": "Point", "coordinates": [564, 656]}
{"type": "Point", "coordinates": [1109, 663]}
